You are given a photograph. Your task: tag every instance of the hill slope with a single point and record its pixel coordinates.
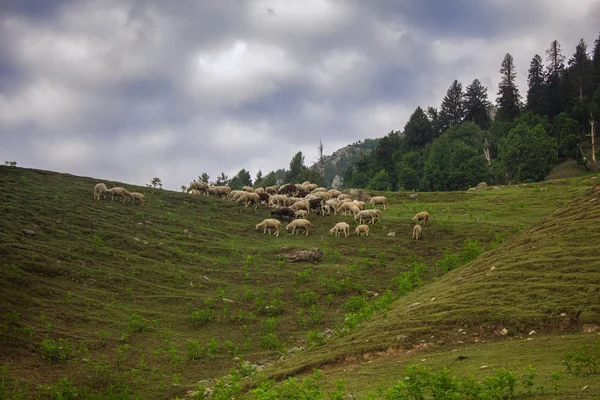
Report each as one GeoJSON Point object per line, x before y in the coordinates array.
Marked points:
{"type": "Point", "coordinates": [547, 279]}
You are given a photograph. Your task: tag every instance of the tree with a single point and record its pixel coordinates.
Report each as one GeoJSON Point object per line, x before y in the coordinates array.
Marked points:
{"type": "Point", "coordinates": [434, 120]}
{"type": "Point", "coordinates": [383, 156]}
{"type": "Point", "coordinates": [554, 74]}
{"type": "Point", "coordinates": [204, 177]}
{"type": "Point", "coordinates": [183, 188]}
{"type": "Point", "coordinates": [222, 180]}
{"type": "Point", "coordinates": [596, 63]}
{"type": "Point", "coordinates": [452, 111]}
{"type": "Point", "coordinates": [528, 153]}
{"type": "Point", "coordinates": [418, 130]}
{"type": "Point", "coordinates": [565, 130]}
{"type": "Point", "coordinates": [535, 80]}
{"type": "Point", "coordinates": [258, 181]}
{"type": "Point", "coordinates": [270, 179]}
{"type": "Point", "coordinates": [580, 71]}
{"type": "Point", "coordinates": [381, 181]}
{"type": "Point", "coordinates": [296, 167]}
{"type": "Point", "coordinates": [476, 104]}
{"type": "Point", "coordinates": [156, 183]}
{"type": "Point", "coordinates": [241, 179]}
{"type": "Point", "coordinates": [509, 99]}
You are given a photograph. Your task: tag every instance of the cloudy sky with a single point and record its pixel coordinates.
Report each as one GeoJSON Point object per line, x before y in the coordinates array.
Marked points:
{"type": "Point", "coordinates": [128, 90]}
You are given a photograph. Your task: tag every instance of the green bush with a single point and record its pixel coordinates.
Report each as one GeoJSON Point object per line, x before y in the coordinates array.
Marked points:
{"type": "Point", "coordinates": [355, 304]}
{"type": "Point", "coordinates": [56, 351]}
{"type": "Point", "coordinates": [202, 317]}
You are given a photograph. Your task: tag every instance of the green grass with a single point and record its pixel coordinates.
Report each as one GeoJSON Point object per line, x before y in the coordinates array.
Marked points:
{"type": "Point", "coordinates": [153, 299]}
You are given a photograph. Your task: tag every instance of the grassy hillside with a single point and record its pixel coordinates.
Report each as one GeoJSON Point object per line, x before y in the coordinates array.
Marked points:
{"type": "Point", "coordinates": [147, 301]}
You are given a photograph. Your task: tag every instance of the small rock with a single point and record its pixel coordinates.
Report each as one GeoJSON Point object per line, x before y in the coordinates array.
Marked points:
{"type": "Point", "coordinates": [483, 367]}
{"type": "Point", "coordinates": [493, 268]}
{"type": "Point", "coordinates": [594, 178]}
{"type": "Point", "coordinates": [295, 350]}
{"type": "Point", "coordinates": [29, 232]}
{"type": "Point", "coordinates": [206, 278]}
{"type": "Point", "coordinates": [372, 293]}
{"type": "Point", "coordinates": [586, 387]}
{"type": "Point", "coordinates": [392, 234]}
{"type": "Point", "coordinates": [413, 305]}
{"type": "Point", "coordinates": [593, 200]}
{"type": "Point", "coordinates": [401, 338]}
{"type": "Point", "coordinates": [481, 186]}
{"type": "Point", "coordinates": [460, 342]}
{"type": "Point", "coordinates": [529, 338]}
{"type": "Point", "coordinates": [496, 188]}
{"type": "Point", "coordinates": [563, 314]}
{"type": "Point", "coordinates": [137, 239]}
{"type": "Point", "coordinates": [236, 359]}
{"type": "Point", "coordinates": [433, 299]}
{"type": "Point", "coordinates": [532, 333]}
{"type": "Point", "coordinates": [423, 360]}
{"type": "Point", "coordinates": [145, 242]}
{"type": "Point", "coordinates": [504, 332]}
{"type": "Point", "coordinates": [413, 196]}
{"type": "Point", "coordinates": [185, 231]}
{"type": "Point", "coordinates": [228, 300]}
{"type": "Point", "coordinates": [460, 330]}
{"type": "Point", "coordinates": [140, 223]}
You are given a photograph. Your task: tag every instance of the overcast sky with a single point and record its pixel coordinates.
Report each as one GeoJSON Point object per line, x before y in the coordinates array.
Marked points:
{"type": "Point", "coordinates": [128, 90]}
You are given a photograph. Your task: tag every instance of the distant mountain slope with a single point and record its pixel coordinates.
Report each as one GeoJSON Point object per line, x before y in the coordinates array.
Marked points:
{"type": "Point", "coordinates": [338, 162]}
{"type": "Point", "coordinates": [546, 279]}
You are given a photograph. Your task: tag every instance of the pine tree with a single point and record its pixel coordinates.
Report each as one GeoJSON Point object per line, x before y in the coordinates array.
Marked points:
{"type": "Point", "coordinates": [418, 130]}
{"type": "Point", "coordinates": [452, 111]}
{"type": "Point", "coordinates": [535, 80]}
{"type": "Point", "coordinates": [434, 119]}
{"type": "Point", "coordinates": [580, 70]}
{"type": "Point", "coordinates": [204, 177]}
{"type": "Point", "coordinates": [509, 99]}
{"type": "Point", "coordinates": [476, 104]}
{"type": "Point", "coordinates": [596, 63]}
{"type": "Point", "coordinates": [296, 167]}
{"type": "Point", "coordinates": [555, 71]}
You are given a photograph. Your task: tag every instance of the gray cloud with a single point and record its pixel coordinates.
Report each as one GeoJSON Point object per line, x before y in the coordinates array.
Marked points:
{"type": "Point", "coordinates": [127, 90]}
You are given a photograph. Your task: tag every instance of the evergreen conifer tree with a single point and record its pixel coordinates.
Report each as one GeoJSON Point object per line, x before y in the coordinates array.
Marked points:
{"type": "Point", "coordinates": [555, 71]}
{"type": "Point", "coordinates": [509, 99]}
{"type": "Point", "coordinates": [476, 104]}
{"type": "Point", "coordinates": [535, 80]}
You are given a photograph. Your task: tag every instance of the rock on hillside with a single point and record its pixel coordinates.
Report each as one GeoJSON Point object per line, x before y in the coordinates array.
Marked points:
{"type": "Point", "coordinates": [337, 163]}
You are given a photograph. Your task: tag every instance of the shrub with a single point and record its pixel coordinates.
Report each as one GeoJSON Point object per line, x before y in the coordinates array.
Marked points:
{"type": "Point", "coordinates": [308, 298]}
{"type": "Point", "coordinates": [471, 251]}
{"type": "Point", "coordinates": [56, 351]}
{"type": "Point", "coordinates": [355, 303]}
{"type": "Point", "coordinates": [138, 324]}
{"type": "Point", "coordinates": [202, 317]}
{"type": "Point", "coordinates": [194, 351]}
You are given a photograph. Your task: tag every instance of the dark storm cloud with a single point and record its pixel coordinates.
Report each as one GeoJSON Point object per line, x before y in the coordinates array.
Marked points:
{"type": "Point", "coordinates": [128, 90]}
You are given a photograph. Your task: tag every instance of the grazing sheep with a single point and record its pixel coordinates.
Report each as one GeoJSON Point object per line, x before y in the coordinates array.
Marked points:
{"type": "Point", "coordinates": [137, 196]}
{"type": "Point", "coordinates": [284, 212]}
{"type": "Point", "coordinates": [362, 230]}
{"type": "Point", "coordinates": [271, 189]}
{"type": "Point", "coordinates": [100, 190]}
{"type": "Point", "coordinates": [259, 190]}
{"type": "Point", "coordinates": [366, 215]}
{"type": "Point", "coordinates": [334, 193]}
{"type": "Point", "coordinates": [264, 198]}
{"type": "Point", "coordinates": [344, 196]}
{"type": "Point", "coordinates": [322, 195]}
{"type": "Point", "coordinates": [310, 187]}
{"type": "Point", "coordinates": [202, 187]}
{"type": "Point", "coordinates": [248, 189]}
{"type": "Point", "coordinates": [361, 204]}
{"type": "Point", "coordinates": [250, 198]}
{"type": "Point", "coordinates": [348, 208]}
{"type": "Point", "coordinates": [236, 194]}
{"type": "Point", "coordinates": [316, 204]}
{"type": "Point", "coordinates": [119, 191]}
{"type": "Point", "coordinates": [278, 200]}
{"type": "Point", "coordinates": [301, 205]}
{"type": "Point", "coordinates": [326, 209]}
{"type": "Point", "coordinates": [340, 227]}
{"type": "Point", "coordinates": [417, 232]}
{"type": "Point", "coordinates": [319, 189]}
{"type": "Point", "coordinates": [288, 189]}
{"type": "Point", "coordinates": [422, 216]}
{"type": "Point", "coordinates": [379, 200]}
{"type": "Point", "coordinates": [267, 224]}
{"type": "Point", "coordinates": [301, 214]}
{"type": "Point", "coordinates": [298, 224]}
{"type": "Point", "coordinates": [219, 191]}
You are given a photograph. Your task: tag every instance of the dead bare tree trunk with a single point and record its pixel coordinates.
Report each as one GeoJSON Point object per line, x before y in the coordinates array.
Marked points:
{"type": "Point", "coordinates": [592, 136]}
{"type": "Point", "coordinates": [486, 152]}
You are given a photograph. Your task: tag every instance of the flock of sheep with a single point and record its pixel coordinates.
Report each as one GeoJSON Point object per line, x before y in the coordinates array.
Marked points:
{"type": "Point", "coordinates": [117, 191]}
{"type": "Point", "coordinates": [296, 201]}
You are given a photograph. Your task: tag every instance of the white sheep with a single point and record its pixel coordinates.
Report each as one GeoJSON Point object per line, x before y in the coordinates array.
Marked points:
{"type": "Point", "coordinates": [137, 196]}
{"type": "Point", "coordinates": [301, 205]}
{"type": "Point", "coordinates": [361, 204]}
{"type": "Point", "coordinates": [340, 227]}
{"type": "Point", "coordinates": [334, 193]}
{"type": "Point", "coordinates": [219, 191]}
{"type": "Point", "coordinates": [301, 214]}
{"type": "Point", "coordinates": [417, 232]}
{"type": "Point", "coordinates": [344, 196]}
{"type": "Point", "coordinates": [379, 200]}
{"type": "Point", "coordinates": [248, 189]}
{"type": "Point", "coordinates": [250, 198]}
{"type": "Point", "coordinates": [422, 216]}
{"type": "Point", "coordinates": [259, 190]}
{"type": "Point", "coordinates": [119, 191]}
{"type": "Point", "coordinates": [202, 187]}
{"type": "Point", "coordinates": [348, 208]}
{"type": "Point", "coordinates": [272, 189]}
{"type": "Point", "coordinates": [367, 214]}
{"type": "Point", "coordinates": [100, 190]}
{"type": "Point", "coordinates": [269, 223]}
{"type": "Point", "coordinates": [362, 230]}
{"type": "Point", "coordinates": [298, 224]}
{"type": "Point", "coordinates": [326, 209]}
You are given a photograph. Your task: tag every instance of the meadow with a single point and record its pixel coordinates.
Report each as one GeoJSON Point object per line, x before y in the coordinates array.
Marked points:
{"type": "Point", "coordinates": [112, 300]}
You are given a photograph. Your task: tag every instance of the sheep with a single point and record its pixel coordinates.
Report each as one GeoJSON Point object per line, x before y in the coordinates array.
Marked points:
{"type": "Point", "coordinates": [322, 195]}
{"type": "Point", "coordinates": [271, 189]}
{"type": "Point", "coordinates": [278, 200]}
{"type": "Point", "coordinates": [100, 190]}
{"type": "Point", "coordinates": [264, 197]}
{"type": "Point", "coordinates": [326, 209]}
{"type": "Point", "coordinates": [119, 191]}
{"type": "Point", "coordinates": [361, 204]}
{"type": "Point", "coordinates": [310, 187]}
{"type": "Point", "coordinates": [202, 187]}
{"type": "Point", "coordinates": [334, 193]}
{"type": "Point", "coordinates": [137, 196]}
{"type": "Point", "coordinates": [348, 207]}
{"type": "Point", "coordinates": [259, 190]}
{"type": "Point", "coordinates": [340, 227]}
{"type": "Point", "coordinates": [236, 194]}
{"type": "Point", "coordinates": [301, 214]}
{"type": "Point", "coordinates": [362, 230]}
{"type": "Point", "coordinates": [417, 232]}
{"type": "Point", "coordinates": [422, 216]}
{"type": "Point", "coordinates": [301, 205]}
{"type": "Point", "coordinates": [379, 200]}
{"type": "Point", "coordinates": [269, 223]}
{"type": "Point", "coordinates": [219, 191]}
{"type": "Point", "coordinates": [316, 204]}
{"type": "Point", "coordinates": [367, 214]}
{"type": "Point", "coordinates": [319, 189]}
{"type": "Point", "coordinates": [284, 212]}
{"type": "Point", "coordinates": [343, 196]}
{"type": "Point", "coordinates": [298, 224]}
{"type": "Point", "coordinates": [248, 189]}
{"type": "Point", "coordinates": [287, 189]}
{"type": "Point", "coordinates": [250, 198]}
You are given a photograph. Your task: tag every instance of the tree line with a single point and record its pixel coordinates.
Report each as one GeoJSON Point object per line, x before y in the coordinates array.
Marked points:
{"type": "Point", "coordinates": [469, 140]}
